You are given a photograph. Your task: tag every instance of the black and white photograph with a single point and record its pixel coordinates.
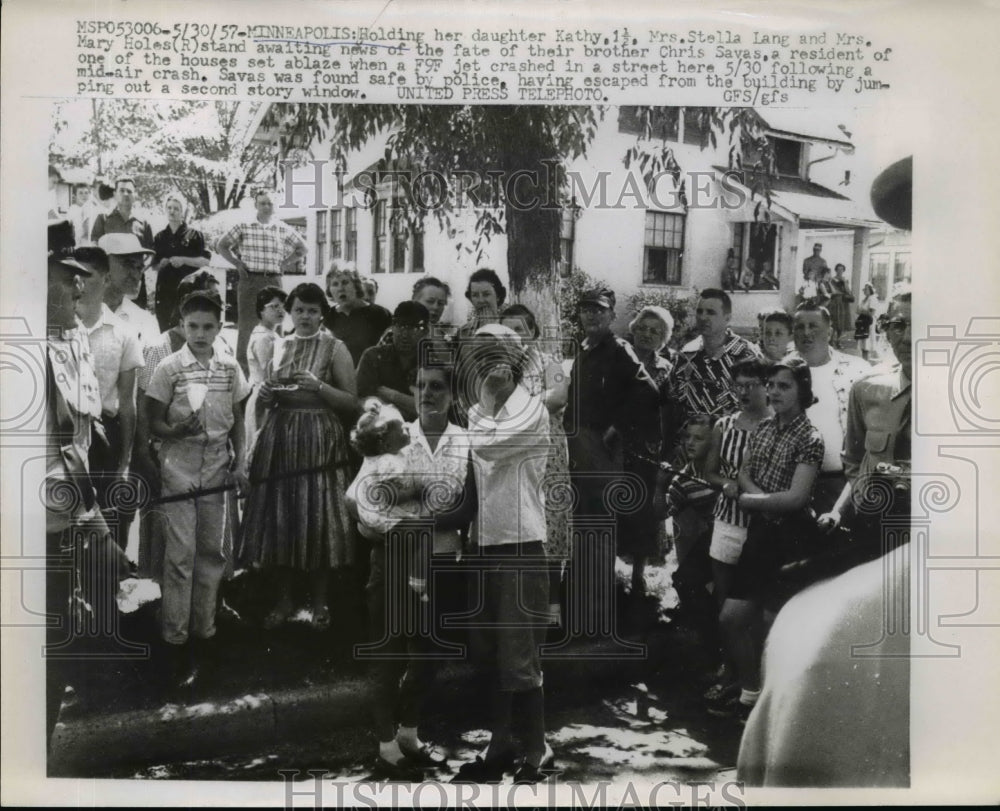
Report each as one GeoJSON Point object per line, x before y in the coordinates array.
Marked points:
{"type": "Point", "coordinates": [499, 443]}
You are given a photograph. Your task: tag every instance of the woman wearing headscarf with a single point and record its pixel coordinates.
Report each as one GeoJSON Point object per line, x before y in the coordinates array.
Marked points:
{"type": "Point", "coordinates": [643, 449]}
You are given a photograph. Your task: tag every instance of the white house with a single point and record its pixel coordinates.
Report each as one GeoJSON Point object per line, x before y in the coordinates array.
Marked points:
{"type": "Point", "coordinates": [633, 237]}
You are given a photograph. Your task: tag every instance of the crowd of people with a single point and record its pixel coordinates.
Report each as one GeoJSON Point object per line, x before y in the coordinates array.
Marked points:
{"type": "Point", "coordinates": [451, 466]}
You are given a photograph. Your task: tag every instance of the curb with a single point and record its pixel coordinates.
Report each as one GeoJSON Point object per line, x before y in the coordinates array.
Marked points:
{"type": "Point", "coordinates": [172, 732]}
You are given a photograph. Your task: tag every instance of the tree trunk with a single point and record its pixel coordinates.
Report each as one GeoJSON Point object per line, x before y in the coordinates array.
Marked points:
{"type": "Point", "coordinates": [532, 239]}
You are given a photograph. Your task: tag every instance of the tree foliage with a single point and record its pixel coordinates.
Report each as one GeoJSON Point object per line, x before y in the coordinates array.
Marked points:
{"type": "Point", "coordinates": [203, 150]}
{"type": "Point", "coordinates": [517, 156]}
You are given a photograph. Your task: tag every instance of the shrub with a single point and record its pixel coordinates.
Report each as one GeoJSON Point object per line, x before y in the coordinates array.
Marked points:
{"type": "Point", "coordinates": [570, 289]}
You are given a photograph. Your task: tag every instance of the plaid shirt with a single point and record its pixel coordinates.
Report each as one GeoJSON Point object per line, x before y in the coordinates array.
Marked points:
{"type": "Point", "coordinates": [264, 247]}
{"type": "Point", "coordinates": [701, 384]}
{"type": "Point", "coordinates": [775, 451]}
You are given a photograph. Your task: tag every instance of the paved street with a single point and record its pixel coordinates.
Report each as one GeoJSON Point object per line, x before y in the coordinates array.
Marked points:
{"type": "Point", "coordinates": [296, 700]}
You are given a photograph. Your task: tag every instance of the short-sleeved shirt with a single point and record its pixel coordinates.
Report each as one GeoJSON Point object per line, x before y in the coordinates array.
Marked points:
{"type": "Point", "coordinates": [226, 387]}
{"type": "Point", "coordinates": [142, 322]}
{"type": "Point", "coordinates": [114, 223]}
{"type": "Point", "coordinates": [182, 242]}
{"type": "Point", "coordinates": [831, 385]}
{"type": "Point", "coordinates": [735, 441]}
{"type": "Point", "coordinates": [775, 450]}
{"type": "Point", "coordinates": [72, 403]}
{"type": "Point", "coordinates": [815, 264]}
{"type": "Point", "coordinates": [877, 416]}
{"type": "Point", "coordinates": [263, 247]}
{"type": "Point", "coordinates": [260, 350]}
{"type": "Point", "coordinates": [115, 349]}
{"type": "Point", "coordinates": [701, 384]}
{"type": "Point", "coordinates": [445, 468]}
{"type": "Point", "coordinates": [359, 329]}
{"type": "Point", "coordinates": [154, 352]}
{"type": "Point", "coordinates": [381, 366]}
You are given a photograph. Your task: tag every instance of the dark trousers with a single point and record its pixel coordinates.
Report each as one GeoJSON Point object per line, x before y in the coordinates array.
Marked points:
{"type": "Point", "coordinates": [167, 279]}
{"type": "Point", "coordinates": [402, 650]}
{"type": "Point", "coordinates": [117, 498]}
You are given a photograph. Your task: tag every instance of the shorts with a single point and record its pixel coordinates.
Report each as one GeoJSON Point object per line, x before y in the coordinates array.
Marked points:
{"type": "Point", "coordinates": [727, 542]}
{"type": "Point", "coordinates": [769, 546]}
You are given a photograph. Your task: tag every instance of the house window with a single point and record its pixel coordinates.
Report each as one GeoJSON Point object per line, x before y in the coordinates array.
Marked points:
{"type": "Point", "coordinates": [696, 126]}
{"type": "Point", "coordinates": [738, 246]}
{"type": "Point", "coordinates": [787, 156]}
{"type": "Point", "coordinates": [664, 122]}
{"type": "Point", "coordinates": [757, 246]}
{"type": "Point", "coordinates": [567, 236]}
{"type": "Point", "coordinates": [336, 246]}
{"type": "Point", "coordinates": [397, 247]}
{"type": "Point", "coordinates": [664, 243]}
{"type": "Point", "coordinates": [350, 235]}
{"type": "Point", "coordinates": [299, 225]}
{"type": "Point", "coordinates": [321, 239]}
{"type": "Point", "coordinates": [379, 238]}
{"type": "Point", "coordinates": [901, 268]}
{"type": "Point", "coordinates": [878, 272]}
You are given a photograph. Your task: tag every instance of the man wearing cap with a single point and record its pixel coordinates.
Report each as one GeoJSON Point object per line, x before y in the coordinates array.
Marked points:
{"type": "Point", "coordinates": [702, 380]}
{"type": "Point", "coordinates": [389, 371]}
{"type": "Point", "coordinates": [261, 250]}
{"type": "Point", "coordinates": [121, 220]}
{"type": "Point", "coordinates": [72, 405]}
{"type": "Point", "coordinates": [610, 394]}
{"type": "Point", "coordinates": [117, 354]}
{"type": "Point", "coordinates": [814, 264]}
{"type": "Point", "coordinates": [127, 260]}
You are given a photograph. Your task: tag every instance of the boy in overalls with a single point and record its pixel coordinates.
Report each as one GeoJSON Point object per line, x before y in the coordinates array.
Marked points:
{"type": "Point", "coordinates": [194, 400]}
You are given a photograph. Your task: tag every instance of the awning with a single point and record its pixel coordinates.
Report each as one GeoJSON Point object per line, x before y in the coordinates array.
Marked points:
{"type": "Point", "coordinates": [825, 210]}
{"type": "Point", "coordinates": [811, 124]}
{"type": "Point", "coordinates": [803, 201]}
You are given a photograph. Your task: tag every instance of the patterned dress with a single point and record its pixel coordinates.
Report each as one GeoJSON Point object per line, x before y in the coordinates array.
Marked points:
{"type": "Point", "coordinates": [299, 519]}
{"type": "Point", "coordinates": [558, 493]}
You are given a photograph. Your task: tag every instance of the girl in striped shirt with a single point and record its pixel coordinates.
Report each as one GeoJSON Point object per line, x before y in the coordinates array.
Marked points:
{"type": "Point", "coordinates": [730, 438]}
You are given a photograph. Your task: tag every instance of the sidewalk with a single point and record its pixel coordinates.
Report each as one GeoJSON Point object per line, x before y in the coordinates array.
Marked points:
{"type": "Point", "coordinates": [263, 688]}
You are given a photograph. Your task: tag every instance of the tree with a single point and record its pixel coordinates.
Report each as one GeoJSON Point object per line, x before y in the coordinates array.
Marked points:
{"type": "Point", "coordinates": [202, 150]}
{"type": "Point", "coordinates": [523, 150]}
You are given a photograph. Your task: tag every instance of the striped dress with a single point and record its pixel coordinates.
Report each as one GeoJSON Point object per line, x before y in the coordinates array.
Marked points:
{"type": "Point", "coordinates": [300, 520]}
{"type": "Point", "coordinates": [734, 446]}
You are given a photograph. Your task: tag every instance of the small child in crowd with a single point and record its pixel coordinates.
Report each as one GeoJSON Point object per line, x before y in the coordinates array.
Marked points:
{"type": "Point", "coordinates": [383, 492]}
{"type": "Point", "coordinates": [775, 334]}
{"type": "Point", "coordinates": [194, 400]}
{"type": "Point", "coordinates": [260, 350]}
{"type": "Point", "coordinates": [689, 500]}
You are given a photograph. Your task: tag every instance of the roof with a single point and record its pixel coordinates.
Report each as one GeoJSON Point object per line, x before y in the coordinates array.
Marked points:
{"type": "Point", "coordinates": [810, 124]}
{"type": "Point", "coordinates": [806, 201]}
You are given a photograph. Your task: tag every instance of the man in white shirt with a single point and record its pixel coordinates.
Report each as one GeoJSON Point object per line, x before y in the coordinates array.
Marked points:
{"type": "Point", "coordinates": [509, 437]}
{"type": "Point", "coordinates": [127, 260]}
{"type": "Point", "coordinates": [117, 354]}
{"type": "Point", "coordinates": [833, 374]}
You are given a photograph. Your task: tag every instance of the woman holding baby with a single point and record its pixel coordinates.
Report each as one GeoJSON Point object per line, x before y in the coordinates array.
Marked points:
{"type": "Point", "coordinates": [409, 502]}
